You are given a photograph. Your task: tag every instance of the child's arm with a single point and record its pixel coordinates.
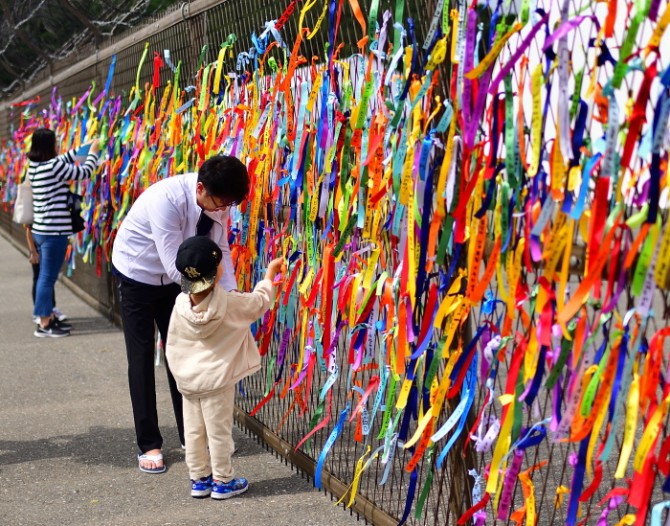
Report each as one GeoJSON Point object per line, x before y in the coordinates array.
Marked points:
{"type": "Point", "coordinates": [275, 267]}
{"type": "Point", "coordinates": [252, 305]}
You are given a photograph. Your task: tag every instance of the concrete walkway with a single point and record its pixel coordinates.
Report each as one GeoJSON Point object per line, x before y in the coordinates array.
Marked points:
{"type": "Point", "coordinates": [67, 450]}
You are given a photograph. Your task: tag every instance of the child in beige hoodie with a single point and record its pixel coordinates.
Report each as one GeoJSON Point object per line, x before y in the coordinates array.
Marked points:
{"type": "Point", "coordinates": [209, 349]}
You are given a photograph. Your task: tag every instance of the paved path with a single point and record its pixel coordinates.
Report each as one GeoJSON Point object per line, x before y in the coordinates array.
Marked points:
{"type": "Point", "coordinates": [67, 451]}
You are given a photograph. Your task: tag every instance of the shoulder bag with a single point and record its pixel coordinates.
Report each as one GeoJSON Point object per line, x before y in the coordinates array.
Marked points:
{"type": "Point", "coordinates": [74, 206]}
{"type": "Point", "coordinates": [23, 204]}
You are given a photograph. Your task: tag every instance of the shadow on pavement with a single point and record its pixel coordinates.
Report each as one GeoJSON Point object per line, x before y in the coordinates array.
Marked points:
{"type": "Point", "coordinates": [92, 325]}
{"type": "Point", "coordinates": [101, 445]}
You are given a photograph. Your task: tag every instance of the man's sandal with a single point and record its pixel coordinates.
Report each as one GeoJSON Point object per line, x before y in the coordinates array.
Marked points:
{"type": "Point", "coordinates": [151, 458]}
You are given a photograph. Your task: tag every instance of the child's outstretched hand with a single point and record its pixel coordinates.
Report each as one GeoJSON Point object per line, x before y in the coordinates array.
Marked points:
{"type": "Point", "coordinates": [275, 267]}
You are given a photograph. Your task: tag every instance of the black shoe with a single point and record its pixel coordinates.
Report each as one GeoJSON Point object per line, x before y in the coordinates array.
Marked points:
{"type": "Point", "coordinates": [51, 331]}
{"type": "Point", "coordinates": [62, 325]}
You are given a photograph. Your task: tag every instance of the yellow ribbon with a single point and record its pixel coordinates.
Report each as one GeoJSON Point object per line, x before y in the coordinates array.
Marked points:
{"type": "Point", "coordinates": [491, 56]}
{"type": "Point", "coordinates": [353, 487]}
{"type": "Point", "coordinates": [650, 433]}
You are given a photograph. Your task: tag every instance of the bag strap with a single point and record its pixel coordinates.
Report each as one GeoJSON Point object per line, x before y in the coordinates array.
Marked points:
{"type": "Point", "coordinates": [24, 174]}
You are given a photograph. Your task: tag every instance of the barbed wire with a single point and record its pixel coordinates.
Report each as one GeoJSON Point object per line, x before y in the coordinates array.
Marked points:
{"type": "Point", "coordinates": [113, 17]}
{"type": "Point", "coordinates": [135, 15]}
{"type": "Point", "coordinates": [17, 25]}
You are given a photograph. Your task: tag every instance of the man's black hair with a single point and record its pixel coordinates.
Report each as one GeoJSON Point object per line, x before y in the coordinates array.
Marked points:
{"type": "Point", "coordinates": [43, 145]}
{"type": "Point", "coordinates": [225, 177]}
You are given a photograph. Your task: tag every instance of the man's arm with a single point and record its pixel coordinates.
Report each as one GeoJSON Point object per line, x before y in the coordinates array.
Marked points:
{"type": "Point", "coordinates": [167, 233]}
{"type": "Point", "coordinates": [228, 280]}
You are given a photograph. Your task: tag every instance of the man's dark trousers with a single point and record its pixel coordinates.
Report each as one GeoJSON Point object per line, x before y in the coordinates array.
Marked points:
{"type": "Point", "coordinates": [142, 306]}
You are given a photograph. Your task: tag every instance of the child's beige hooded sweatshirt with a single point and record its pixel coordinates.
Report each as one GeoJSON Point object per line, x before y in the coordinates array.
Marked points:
{"type": "Point", "coordinates": [210, 346]}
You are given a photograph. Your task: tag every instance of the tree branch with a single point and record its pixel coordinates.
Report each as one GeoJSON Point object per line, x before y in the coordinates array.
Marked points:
{"type": "Point", "coordinates": [97, 36]}
{"type": "Point", "coordinates": [19, 33]}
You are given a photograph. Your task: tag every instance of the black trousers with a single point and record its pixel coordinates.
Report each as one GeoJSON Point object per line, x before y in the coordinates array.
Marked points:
{"type": "Point", "coordinates": [142, 306]}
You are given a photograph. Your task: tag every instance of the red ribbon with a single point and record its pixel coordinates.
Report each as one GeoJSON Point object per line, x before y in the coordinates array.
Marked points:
{"type": "Point", "coordinates": [265, 400]}
{"type": "Point", "coordinates": [468, 514]}
{"type": "Point", "coordinates": [158, 64]}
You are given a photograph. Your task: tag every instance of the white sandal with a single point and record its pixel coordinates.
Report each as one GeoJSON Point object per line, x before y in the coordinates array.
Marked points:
{"type": "Point", "coordinates": [151, 458]}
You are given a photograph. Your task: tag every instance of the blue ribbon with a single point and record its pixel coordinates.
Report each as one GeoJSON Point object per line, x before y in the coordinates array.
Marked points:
{"type": "Point", "coordinates": [494, 130]}
{"type": "Point", "coordinates": [490, 192]}
{"type": "Point", "coordinates": [537, 379]}
{"type": "Point", "coordinates": [578, 208]}
{"type": "Point", "coordinates": [577, 482]}
{"type": "Point", "coordinates": [458, 366]}
{"type": "Point", "coordinates": [421, 282]}
{"type": "Point", "coordinates": [411, 491]}
{"type": "Point", "coordinates": [533, 436]}
{"type": "Point", "coordinates": [410, 411]}
{"type": "Point", "coordinates": [452, 266]}
{"type": "Point", "coordinates": [605, 54]}
{"type": "Point", "coordinates": [623, 353]}
{"type": "Point", "coordinates": [577, 141]}
{"type": "Point", "coordinates": [110, 74]}
{"type": "Point", "coordinates": [332, 8]}
{"type": "Point", "coordinates": [655, 167]}
{"type": "Point", "coordinates": [469, 389]}
{"type": "Point", "coordinates": [334, 435]}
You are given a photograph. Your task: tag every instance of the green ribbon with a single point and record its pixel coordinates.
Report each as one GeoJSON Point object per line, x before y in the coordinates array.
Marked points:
{"type": "Point", "coordinates": [566, 347]}
{"type": "Point", "coordinates": [390, 402]}
{"type": "Point", "coordinates": [426, 486]}
{"type": "Point", "coordinates": [592, 388]}
{"type": "Point", "coordinates": [510, 136]}
{"type": "Point", "coordinates": [626, 49]}
{"type": "Point", "coordinates": [201, 58]}
{"type": "Point", "coordinates": [579, 77]}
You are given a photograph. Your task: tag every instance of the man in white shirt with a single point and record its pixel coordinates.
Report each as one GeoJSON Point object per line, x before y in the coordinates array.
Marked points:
{"type": "Point", "coordinates": [143, 257]}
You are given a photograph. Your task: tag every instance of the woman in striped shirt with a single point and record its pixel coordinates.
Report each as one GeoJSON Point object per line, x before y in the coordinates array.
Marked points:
{"type": "Point", "coordinates": [50, 178]}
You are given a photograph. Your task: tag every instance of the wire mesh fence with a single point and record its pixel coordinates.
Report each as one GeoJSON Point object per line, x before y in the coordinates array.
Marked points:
{"type": "Point", "coordinates": [536, 416]}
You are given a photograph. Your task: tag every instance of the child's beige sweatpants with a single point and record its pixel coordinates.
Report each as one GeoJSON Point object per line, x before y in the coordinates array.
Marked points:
{"type": "Point", "coordinates": [208, 422]}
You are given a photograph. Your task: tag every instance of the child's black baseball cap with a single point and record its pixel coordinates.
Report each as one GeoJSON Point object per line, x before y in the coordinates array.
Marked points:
{"type": "Point", "coordinates": [197, 260]}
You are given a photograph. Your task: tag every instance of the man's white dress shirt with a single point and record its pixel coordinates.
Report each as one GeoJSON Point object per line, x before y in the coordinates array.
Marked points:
{"type": "Point", "coordinates": [161, 218]}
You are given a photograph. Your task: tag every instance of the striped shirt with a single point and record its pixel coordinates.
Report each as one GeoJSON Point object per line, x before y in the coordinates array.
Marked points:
{"type": "Point", "coordinates": [50, 181]}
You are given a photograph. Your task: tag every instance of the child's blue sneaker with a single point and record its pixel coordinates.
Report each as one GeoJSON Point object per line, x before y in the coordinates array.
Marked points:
{"type": "Point", "coordinates": [225, 490]}
{"type": "Point", "coordinates": [201, 488]}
